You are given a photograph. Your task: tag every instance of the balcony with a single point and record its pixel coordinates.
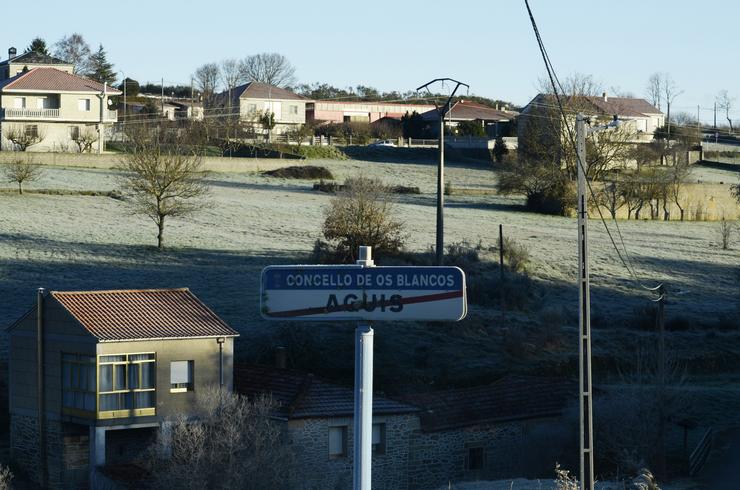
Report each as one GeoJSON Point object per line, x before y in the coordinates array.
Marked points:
{"type": "Point", "coordinates": [10, 114]}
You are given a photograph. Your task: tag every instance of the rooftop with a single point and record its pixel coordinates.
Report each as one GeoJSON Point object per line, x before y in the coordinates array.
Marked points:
{"type": "Point", "coordinates": [144, 314]}
{"type": "Point", "coordinates": [508, 399]}
{"type": "Point", "coordinates": [303, 395]}
{"type": "Point", "coordinates": [53, 80]}
{"type": "Point", "coordinates": [35, 58]}
{"type": "Point", "coordinates": [464, 110]}
{"type": "Point", "coordinates": [605, 104]}
{"type": "Point", "coordinates": [257, 90]}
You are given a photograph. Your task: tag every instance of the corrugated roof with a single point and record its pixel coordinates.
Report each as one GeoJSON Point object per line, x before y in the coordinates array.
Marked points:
{"type": "Point", "coordinates": [302, 395]}
{"type": "Point", "coordinates": [143, 314]}
{"type": "Point", "coordinates": [510, 398]}
{"type": "Point", "coordinates": [36, 59]}
{"type": "Point", "coordinates": [53, 80]}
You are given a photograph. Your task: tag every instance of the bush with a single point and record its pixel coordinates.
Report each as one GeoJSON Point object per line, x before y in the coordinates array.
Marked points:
{"type": "Point", "coordinates": [362, 214]}
{"type": "Point", "coordinates": [6, 476]}
{"type": "Point", "coordinates": [516, 255]}
{"type": "Point", "coordinates": [301, 172]}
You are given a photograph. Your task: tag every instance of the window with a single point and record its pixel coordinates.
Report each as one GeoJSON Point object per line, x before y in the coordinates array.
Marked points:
{"type": "Point", "coordinates": [74, 132]}
{"type": "Point", "coordinates": [78, 382]}
{"type": "Point", "coordinates": [19, 103]}
{"type": "Point", "coordinates": [476, 457]}
{"type": "Point", "coordinates": [294, 109]}
{"type": "Point", "coordinates": [40, 102]}
{"type": "Point", "coordinates": [181, 376]}
{"type": "Point", "coordinates": [126, 382]}
{"type": "Point", "coordinates": [251, 108]}
{"type": "Point", "coordinates": [83, 105]}
{"type": "Point", "coordinates": [378, 438]}
{"type": "Point", "coordinates": [32, 131]}
{"type": "Point", "coordinates": [338, 442]}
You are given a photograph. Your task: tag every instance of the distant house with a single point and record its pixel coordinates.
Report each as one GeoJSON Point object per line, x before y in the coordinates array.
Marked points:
{"type": "Point", "coordinates": [332, 111]}
{"type": "Point", "coordinates": [494, 122]}
{"type": "Point", "coordinates": [318, 419]}
{"type": "Point", "coordinates": [102, 370]}
{"type": "Point", "coordinates": [510, 428]}
{"type": "Point", "coordinates": [43, 99]}
{"type": "Point", "coordinates": [253, 100]}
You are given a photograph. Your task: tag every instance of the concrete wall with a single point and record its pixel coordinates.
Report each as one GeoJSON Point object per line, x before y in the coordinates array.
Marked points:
{"type": "Point", "coordinates": [314, 470]}
{"type": "Point", "coordinates": [111, 160]}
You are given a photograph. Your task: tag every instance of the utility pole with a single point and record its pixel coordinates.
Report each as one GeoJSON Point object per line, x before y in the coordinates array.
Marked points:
{"type": "Point", "coordinates": [584, 318]}
{"type": "Point", "coordinates": [715, 114]}
{"type": "Point", "coordinates": [162, 96]}
{"type": "Point", "coordinates": [441, 112]}
{"type": "Point", "coordinates": [698, 123]}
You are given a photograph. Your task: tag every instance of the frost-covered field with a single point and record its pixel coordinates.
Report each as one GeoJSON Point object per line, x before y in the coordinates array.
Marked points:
{"type": "Point", "coordinates": [82, 242]}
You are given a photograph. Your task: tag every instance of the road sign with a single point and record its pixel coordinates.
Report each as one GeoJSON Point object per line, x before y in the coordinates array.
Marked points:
{"type": "Point", "coordinates": [352, 292]}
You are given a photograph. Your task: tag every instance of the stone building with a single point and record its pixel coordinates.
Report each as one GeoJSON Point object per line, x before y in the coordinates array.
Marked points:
{"type": "Point", "coordinates": [507, 429]}
{"type": "Point", "coordinates": [93, 374]}
{"type": "Point", "coordinates": [318, 422]}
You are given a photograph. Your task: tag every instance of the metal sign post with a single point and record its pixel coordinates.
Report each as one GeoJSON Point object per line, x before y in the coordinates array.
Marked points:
{"type": "Point", "coordinates": [363, 293]}
{"type": "Point", "coordinates": [363, 419]}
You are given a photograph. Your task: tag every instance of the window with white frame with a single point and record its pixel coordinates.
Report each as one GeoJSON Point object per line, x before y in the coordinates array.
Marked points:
{"type": "Point", "coordinates": [83, 105]}
{"type": "Point", "coordinates": [19, 103]}
{"type": "Point", "coordinates": [338, 442]}
{"type": "Point", "coordinates": [32, 131]}
{"type": "Point", "coordinates": [74, 132]}
{"type": "Point", "coordinates": [294, 109]}
{"type": "Point", "coordinates": [181, 376]}
{"type": "Point", "coordinates": [251, 108]}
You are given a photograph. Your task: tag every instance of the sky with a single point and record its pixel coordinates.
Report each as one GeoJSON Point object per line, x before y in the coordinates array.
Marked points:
{"type": "Point", "coordinates": [400, 45]}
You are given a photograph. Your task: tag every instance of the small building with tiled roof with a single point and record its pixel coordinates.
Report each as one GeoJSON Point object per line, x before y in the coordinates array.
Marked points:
{"type": "Point", "coordinates": [513, 427]}
{"type": "Point", "coordinates": [97, 364]}
{"type": "Point", "coordinates": [252, 100]}
{"type": "Point", "coordinates": [45, 106]}
{"type": "Point", "coordinates": [318, 421]}
{"type": "Point", "coordinates": [494, 122]}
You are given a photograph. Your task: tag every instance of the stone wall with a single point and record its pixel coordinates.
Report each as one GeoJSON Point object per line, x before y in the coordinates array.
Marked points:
{"type": "Point", "coordinates": [314, 470]}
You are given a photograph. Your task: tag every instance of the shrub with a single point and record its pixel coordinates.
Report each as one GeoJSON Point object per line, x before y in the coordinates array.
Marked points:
{"type": "Point", "coordinates": [362, 214]}
{"type": "Point", "coordinates": [21, 170]}
{"type": "Point", "coordinates": [724, 232]}
{"type": "Point", "coordinates": [516, 255]}
{"type": "Point", "coordinates": [301, 172]}
{"type": "Point", "coordinates": [6, 476]}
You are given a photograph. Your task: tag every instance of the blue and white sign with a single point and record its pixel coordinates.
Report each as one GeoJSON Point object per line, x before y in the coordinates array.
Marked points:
{"type": "Point", "coordinates": [350, 292]}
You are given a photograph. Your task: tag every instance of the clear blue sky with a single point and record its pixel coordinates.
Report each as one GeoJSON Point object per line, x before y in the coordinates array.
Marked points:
{"type": "Point", "coordinates": [403, 43]}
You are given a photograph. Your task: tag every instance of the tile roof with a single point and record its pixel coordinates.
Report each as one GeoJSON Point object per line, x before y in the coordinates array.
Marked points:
{"type": "Point", "coordinates": [257, 90]}
{"type": "Point", "coordinates": [508, 399]}
{"type": "Point", "coordinates": [33, 57]}
{"type": "Point", "coordinates": [622, 106]}
{"type": "Point", "coordinates": [302, 395]}
{"type": "Point", "coordinates": [53, 80]}
{"type": "Point", "coordinates": [464, 110]}
{"type": "Point", "coordinates": [143, 314]}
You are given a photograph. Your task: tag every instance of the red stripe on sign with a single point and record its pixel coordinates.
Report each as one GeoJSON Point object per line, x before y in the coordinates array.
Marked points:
{"type": "Point", "coordinates": [404, 301]}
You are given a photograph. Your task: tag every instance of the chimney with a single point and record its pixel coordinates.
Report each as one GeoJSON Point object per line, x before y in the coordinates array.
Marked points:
{"type": "Point", "coordinates": [606, 99]}
{"type": "Point", "coordinates": [281, 357]}
{"type": "Point", "coordinates": [12, 52]}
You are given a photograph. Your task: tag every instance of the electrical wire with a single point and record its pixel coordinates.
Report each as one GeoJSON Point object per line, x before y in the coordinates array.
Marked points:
{"type": "Point", "coordinates": [626, 261]}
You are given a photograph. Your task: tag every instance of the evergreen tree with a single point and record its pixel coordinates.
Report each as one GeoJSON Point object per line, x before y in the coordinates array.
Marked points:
{"type": "Point", "coordinates": [38, 45]}
{"type": "Point", "coordinates": [100, 69]}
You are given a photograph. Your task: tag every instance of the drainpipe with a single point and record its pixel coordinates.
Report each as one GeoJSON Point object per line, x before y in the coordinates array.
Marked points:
{"type": "Point", "coordinates": [40, 386]}
{"type": "Point", "coordinates": [220, 341]}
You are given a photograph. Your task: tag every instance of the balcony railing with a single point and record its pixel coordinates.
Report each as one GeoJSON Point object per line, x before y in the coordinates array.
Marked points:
{"type": "Point", "coordinates": [30, 113]}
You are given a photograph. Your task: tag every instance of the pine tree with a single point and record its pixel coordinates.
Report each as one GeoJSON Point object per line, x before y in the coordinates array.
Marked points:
{"type": "Point", "coordinates": [38, 45]}
{"type": "Point", "coordinates": [100, 69]}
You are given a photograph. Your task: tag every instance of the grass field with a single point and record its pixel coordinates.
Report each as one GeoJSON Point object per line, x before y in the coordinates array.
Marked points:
{"type": "Point", "coordinates": [73, 242]}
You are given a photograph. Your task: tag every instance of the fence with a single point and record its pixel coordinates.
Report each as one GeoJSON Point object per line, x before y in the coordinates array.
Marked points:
{"type": "Point", "coordinates": [721, 153]}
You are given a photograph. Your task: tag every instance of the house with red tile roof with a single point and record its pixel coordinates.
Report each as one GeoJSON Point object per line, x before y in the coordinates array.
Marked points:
{"type": "Point", "coordinates": [494, 121]}
{"type": "Point", "coordinates": [253, 100]}
{"type": "Point", "coordinates": [94, 374]}
{"type": "Point", "coordinates": [43, 102]}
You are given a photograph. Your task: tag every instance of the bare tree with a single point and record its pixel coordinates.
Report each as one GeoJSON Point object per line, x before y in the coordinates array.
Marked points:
{"type": "Point", "coordinates": [165, 178]}
{"type": "Point", "coordinates": [725, 229]}
{"type": "Point", "coordinates": [725, 102]}
{"type": "Point", "coordinates": [670, 92]}
{"type": "Point", "coordinates": [73, 49]}
{"type": "Point", "coordinates": [611, 197]}
{"type": "Point", "coordinates": [270, 68]}
{"type": "Point", "coordinates": [655, 89]}
{"type": "Point", "coordinates": [363, 214]}
{"type": "Point", "coordinates": [678, 175]}
{"type": "Point", "coordinates": [233, 443]}
{"type": "Point", "coordinates": [85, 139]}
{"type": "Point", "coordinates": [23, 136]}
{"type": "Point", "coordinates": [21, 170]}
{"type": "Point", "coordinates": [207, 78]}
{"type": "Point", "coordinates": [231, 73]}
